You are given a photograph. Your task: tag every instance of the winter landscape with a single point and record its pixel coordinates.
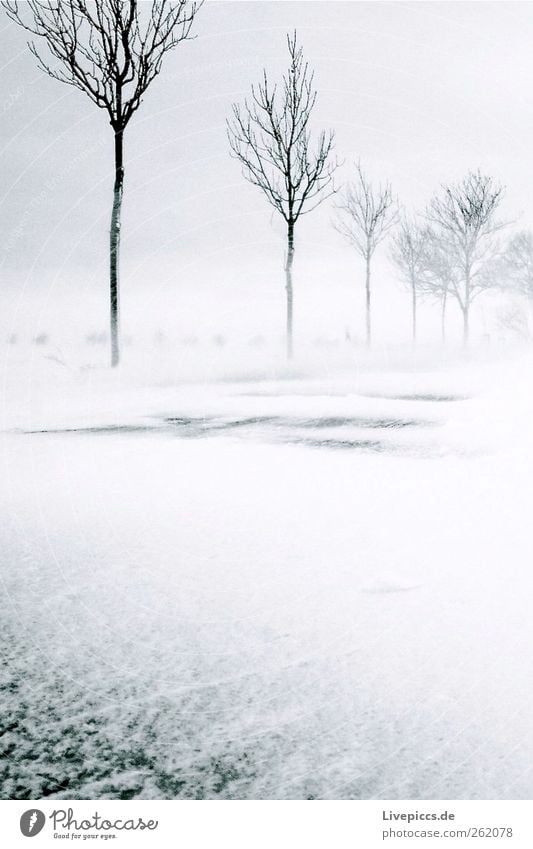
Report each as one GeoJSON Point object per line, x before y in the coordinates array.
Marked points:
{"type": "Point", "coordinates": [280, 547]}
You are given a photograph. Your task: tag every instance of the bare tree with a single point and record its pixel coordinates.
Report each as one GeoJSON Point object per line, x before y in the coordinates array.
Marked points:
{"type": "Point", "coordinates": [439, 276]}
{"type": "Point", "coordinates": [463, 216]}
{"type": "Point", "coordinates": [270, 136]}
{"type": "Point", "coordinates": [364, 217]}
{"type": "Point", "coordinates": [409, 253]}
{"type": "Point", "coordinates": [513, 320]}
{"type": "Point", "coordinates": [111, 50]}
{"type": "Point", "coordinates": [514, 268]}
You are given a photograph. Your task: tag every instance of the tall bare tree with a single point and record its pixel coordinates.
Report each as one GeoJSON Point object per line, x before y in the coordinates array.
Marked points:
{"type": "Point", "coordinates": [409, 254]}
{"type": "Point", "coordinates": [111, 50]}
{"type": "Point", "coordinates": [364, 217]}
{"type": "Point", "coordinates": [270, 135]}
{"type": "Point", "coordinates": [463, 216]}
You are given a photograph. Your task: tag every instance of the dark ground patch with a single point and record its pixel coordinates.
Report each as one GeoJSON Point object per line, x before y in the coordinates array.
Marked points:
{"type": "Point", "coordinates": [420, 397]}
{"type": "Point", "coordinates": [197, 426]}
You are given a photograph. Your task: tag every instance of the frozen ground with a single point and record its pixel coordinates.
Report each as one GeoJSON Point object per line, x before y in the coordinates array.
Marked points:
{"type": "Point", "coordinates": [281, 587]}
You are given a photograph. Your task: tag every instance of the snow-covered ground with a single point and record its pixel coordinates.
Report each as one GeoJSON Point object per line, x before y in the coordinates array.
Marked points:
{"type": "Point", "coordinates": [313, 584]}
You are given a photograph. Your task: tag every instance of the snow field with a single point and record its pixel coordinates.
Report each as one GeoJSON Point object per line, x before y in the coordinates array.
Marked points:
{"type": "Point", "coordinates": [274, 589]}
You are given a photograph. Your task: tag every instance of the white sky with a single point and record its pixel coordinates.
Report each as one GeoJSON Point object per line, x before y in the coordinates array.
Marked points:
{"type": "Point", "coordinates": [419, 91]}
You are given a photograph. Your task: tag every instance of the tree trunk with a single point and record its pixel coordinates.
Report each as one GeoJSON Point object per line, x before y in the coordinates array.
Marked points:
{"type": "Point", "coordinates": [288, 286]}
{"type": "Point", "coordinates": [114, 247]}
{"type": "Point", "coordinates": [368, 305]}
{"type": "Point", "coordinates": [443, 317]}
{"type": "Point", "coordinates": [466, 308]}
{"type": "Point", "coordinates": [466, 324]}
{"type": "Point", "coordinates": [413, 307]}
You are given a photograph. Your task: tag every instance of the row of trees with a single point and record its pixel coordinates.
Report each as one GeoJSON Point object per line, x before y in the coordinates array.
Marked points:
{"type": "Point", "coordinates": [448, 252]}
{"type": "Point", "coordinates": [112, 50]}
{"type": "Point", "coordinates": [454, 250]}
{"type": "Point", "coordinates": [451, 251]}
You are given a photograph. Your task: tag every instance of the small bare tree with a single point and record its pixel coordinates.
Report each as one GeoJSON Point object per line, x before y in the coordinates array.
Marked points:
{"type": "Point", "coordinates": [409, 254]}
{"type": "Point", "coordinates": [513, 320]}
{"type": "Point", "coordinates": [463, 216]}
{"type": "Point", "coordinates": [515, 267]}
{"type": "Point", "coordinates": [270, 135]}
{"type": "Point", "coordinates": [364, 217]}
{"type": "Point", "coordinates": [111, 50]}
